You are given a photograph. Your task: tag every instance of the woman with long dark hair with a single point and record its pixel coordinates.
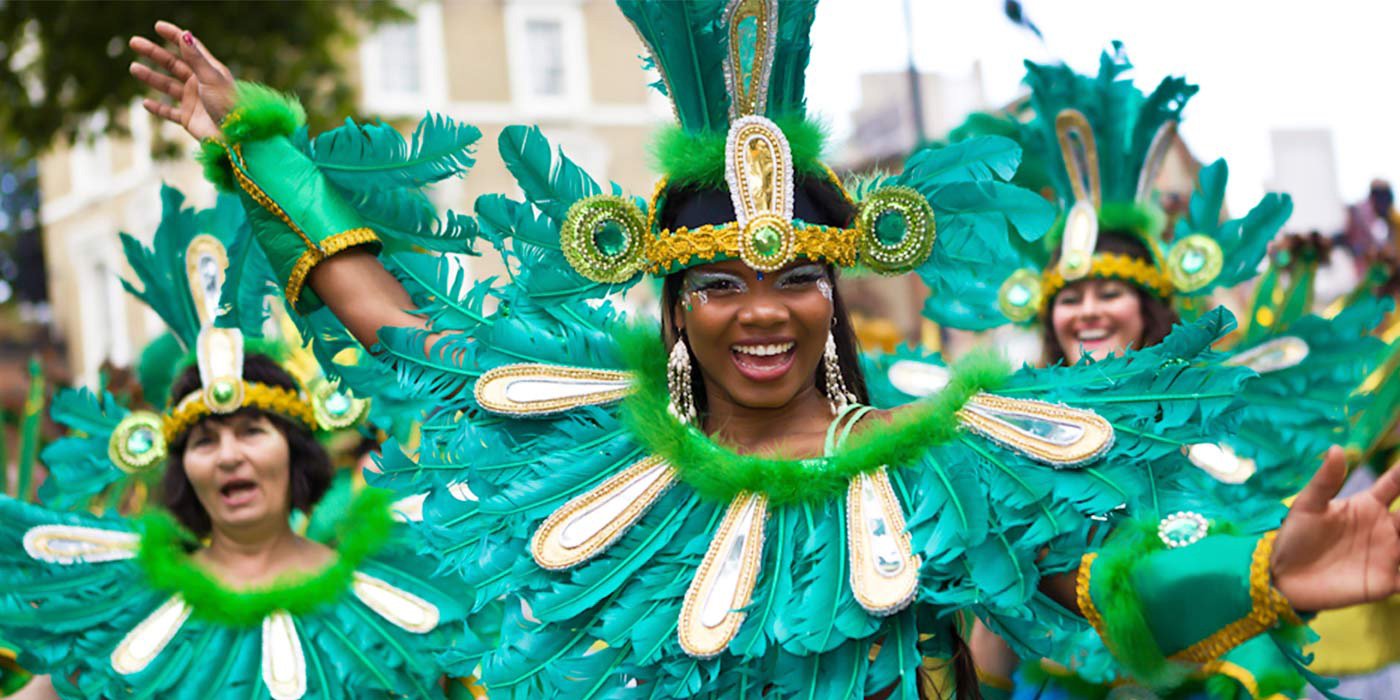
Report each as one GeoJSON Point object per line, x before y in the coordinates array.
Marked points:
{"type": "Point", "coordinates": [711, 509]}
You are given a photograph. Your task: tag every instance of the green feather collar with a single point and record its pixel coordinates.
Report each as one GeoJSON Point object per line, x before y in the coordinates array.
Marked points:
{"type": "Point", "coordinates": [165, 559]}
{"type": "Point", "coordinates": [719, 474]}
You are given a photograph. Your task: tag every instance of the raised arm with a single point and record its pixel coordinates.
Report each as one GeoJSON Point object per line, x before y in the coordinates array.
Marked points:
{"type": "Point", "coordinates": [308, 245]}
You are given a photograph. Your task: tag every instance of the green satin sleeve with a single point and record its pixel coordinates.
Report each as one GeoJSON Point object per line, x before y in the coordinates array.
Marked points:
{"type": "Point", "coordinates": [1190, 605]}
{"type": "Point", "coordinates": [297, 216]}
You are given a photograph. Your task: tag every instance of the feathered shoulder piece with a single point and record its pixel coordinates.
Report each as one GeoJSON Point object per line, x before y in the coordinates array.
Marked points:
{"type": "Point", "coordinates": [111, 607]}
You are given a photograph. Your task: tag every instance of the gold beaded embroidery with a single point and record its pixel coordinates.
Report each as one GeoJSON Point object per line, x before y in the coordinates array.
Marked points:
{"type": "Point", "coordinates": [274, 399]}
{"type": "Point", "coordinates": [1114, 266]}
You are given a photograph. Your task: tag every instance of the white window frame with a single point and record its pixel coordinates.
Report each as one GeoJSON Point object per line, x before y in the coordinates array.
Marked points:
{"type": "Point", "coordinates": [102, 307]}
{"type": "Point", "coordinates": [431, 94]}
{"type": "Point", "coordinates": [577, 86]}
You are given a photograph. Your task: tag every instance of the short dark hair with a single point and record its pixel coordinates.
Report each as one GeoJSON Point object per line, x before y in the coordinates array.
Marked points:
{"type": "Point", "coordinates": [818, 201]}
{"type": "Point", "coordinates": [1158, 316]}
{"type": "Point", "coordinates": [309, 466]}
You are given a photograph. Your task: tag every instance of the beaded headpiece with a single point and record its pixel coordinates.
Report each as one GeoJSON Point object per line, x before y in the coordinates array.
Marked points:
{"type": "Point", "coordinates": [734, 72]}
{"type": "Point", "coordinates": [1104, 143]}
{"type": "Point", "coordinates": [207, 280]}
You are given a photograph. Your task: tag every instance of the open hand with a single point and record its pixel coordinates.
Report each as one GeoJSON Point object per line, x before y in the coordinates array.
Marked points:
{"type": "Point", "coordinates": [1333, 553]}
{"type": "Point", "coordinates": [201, 86]}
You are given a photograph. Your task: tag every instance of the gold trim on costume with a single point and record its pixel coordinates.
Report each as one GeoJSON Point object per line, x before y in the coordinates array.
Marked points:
{"type": "Point", "coordinates": [1085, 599]}
{"type": "Point", "coordinates": [710, 242]}
{"type": "Point", "coordinates": [399, 607]}
{"type": "Point", "coordinates": [714, 603]}
{"type": "Point", "coordinates": [205, 282]}
{"type": "Point", "coordinates": [283, 663]}
{"type": "Point", "coordinates": [284, 402]}
{"type": "Point", "coordinates": [1269, 607]}
{"type": "Point", "coordinates": [1075, 436]}
{"type": "Point", "coordinates": [590, 523]}
{"type": "Point", "coordinates": [540, 389]}
{"type": "Point", "coordinates": [149, 637]}
{"type": "Point", "coordinates": [884, 571]}
{"type": "Point", "coordinates": [76, 544]}
{"type": "Point", "coordinates": [1113, 266]}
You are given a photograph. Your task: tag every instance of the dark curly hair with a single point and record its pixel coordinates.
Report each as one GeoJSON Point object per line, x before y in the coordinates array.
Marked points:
{"type": "Point", "coordinates": [1158, 316]}
{"type": "Point", "coordinates": [309, 465]}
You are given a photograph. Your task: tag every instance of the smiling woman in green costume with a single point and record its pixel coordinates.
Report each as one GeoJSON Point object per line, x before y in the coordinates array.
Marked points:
{"type": "Point", "coordinates": [718, 514]}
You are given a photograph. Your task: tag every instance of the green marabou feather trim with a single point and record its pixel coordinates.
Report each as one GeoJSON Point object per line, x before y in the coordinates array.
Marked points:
{"type": "Point", "coordinates": [697, 159]}
{"type": "Point", "coordinates": [259, 112]}
{"type": "Point", "coordinates": [213, 158]}
{"type": "Point", "coordinates": [168, 567]}
{"type": "Point", "coordinates": [1130, 636]}
{"type": "Point", "coordinates": [718, 474]}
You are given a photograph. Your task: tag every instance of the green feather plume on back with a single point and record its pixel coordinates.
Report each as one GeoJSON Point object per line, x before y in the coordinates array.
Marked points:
{"type": "Point", "coordinates": [1124, 120]}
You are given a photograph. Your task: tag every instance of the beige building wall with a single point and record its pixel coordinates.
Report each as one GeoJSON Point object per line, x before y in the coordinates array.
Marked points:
{"type": "Point", "coordinates": [571, 66]}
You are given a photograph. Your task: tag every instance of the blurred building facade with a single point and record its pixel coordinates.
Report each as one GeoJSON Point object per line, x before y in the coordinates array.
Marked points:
{"type": "Point", "coordinates": [571, 66]}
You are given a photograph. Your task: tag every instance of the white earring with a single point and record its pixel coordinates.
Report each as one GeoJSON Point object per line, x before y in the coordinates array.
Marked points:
{"type": "Point", "coordinates": [835, 390]}
{"type": "Point", "coordinates": [682, 404]}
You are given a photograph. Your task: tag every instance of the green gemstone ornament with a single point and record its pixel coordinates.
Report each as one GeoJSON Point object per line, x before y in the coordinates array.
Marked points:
{"type": "Point", "coordinates": [896, 230]}
{"type": "Point", "coordinates": [610, 238]}
{"type": "Point", "coordinates": [891, 227]}
{"type": "Point", "coordinates": [602, 238]}
{"type": "Point", "coordinates": [222, 392]}
{"type": "Point", "coordinates": [141, 441]}
{"type": "Point", "coordinates": [1182, 529]}
{"type": "Point", "coordinates": [137, 444]}
{"type": "Point", "coordinates": [1020, 296]}
{"type": "Point", "coordinates": [337, 404]}
{"type": "Point", "coordinates": [767, 241]}
{"type": "Point", "coordinates": [1194, 263]}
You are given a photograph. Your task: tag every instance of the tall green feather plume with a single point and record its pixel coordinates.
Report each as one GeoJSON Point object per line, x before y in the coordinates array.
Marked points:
{"type": "Point", "coordinates": [688, 42]}
{"type": "Point", "coordinates": [1123, 119]}
{"type": "Point", "coordinates": [30, 422]}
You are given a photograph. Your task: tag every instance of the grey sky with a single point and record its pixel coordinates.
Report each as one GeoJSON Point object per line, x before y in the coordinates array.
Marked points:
{"type": "Point", "coordinates": [1260, 65]}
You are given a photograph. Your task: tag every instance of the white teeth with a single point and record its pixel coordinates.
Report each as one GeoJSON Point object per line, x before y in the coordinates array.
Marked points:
{"type": "Point", "coordinates": [774, 349]}
{"type": "Point", "coordinates": [1093, 334]}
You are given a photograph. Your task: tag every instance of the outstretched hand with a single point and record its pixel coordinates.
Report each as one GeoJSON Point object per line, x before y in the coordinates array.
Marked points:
{"type": "Point", "coordinates": [201, 86]}
{"type": "Point", "coordinates": [1333, 553]}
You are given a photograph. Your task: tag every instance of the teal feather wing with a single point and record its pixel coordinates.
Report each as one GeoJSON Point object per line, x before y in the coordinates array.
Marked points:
{"type": "Point", "coordinates": [685, 45]}
{"type": "Point", "coordinates": [981, 220]}
{"type": "Point", "coordinates": [367, 157]}
{"type": "Point", "coordinates": [78, 465]}
{"type": "Point", "coordinates": [1243, 241]}
{"type": "Point", "coordinates": [161, 270]}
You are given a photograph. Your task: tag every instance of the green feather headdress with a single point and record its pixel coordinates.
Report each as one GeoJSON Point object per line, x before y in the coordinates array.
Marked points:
{"type": "Point", "coordinates": [734, 73]}
{"type": "Point", "coordinates": [1104, 142]}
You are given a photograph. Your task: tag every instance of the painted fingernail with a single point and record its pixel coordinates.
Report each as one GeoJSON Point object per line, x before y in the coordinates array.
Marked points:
{"type": "Point", "coordinates": [189, 38]}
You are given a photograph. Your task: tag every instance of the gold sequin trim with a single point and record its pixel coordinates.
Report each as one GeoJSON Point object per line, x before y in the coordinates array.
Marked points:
{"type": "Point", "coordinates": [710, 242]}
{"type": "Point", "coordinates": [261, 197]}
{"type": "Point", "coordinates": [1240, 675]}
{"type": "Point", "coordinates": [274, 399]}
{"type": "Point", "coordinates": [1085, 600]}
{"type": "Point", "coordinates": [1269, 607]}
{"type": "Point", "coordinates": [1113, 266]}
{"type": "Point", "coordinates": [314, 253]}
{"type": "Point", "coordinates": [315, 256]}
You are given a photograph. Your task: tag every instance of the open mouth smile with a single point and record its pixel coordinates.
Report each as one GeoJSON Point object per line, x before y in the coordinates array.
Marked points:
{"type": "Point", "coordinates": [763, 362]}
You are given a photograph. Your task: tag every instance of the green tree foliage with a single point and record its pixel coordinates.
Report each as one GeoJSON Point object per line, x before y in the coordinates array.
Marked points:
{"type": "Point", "coordinates": [62, 61]}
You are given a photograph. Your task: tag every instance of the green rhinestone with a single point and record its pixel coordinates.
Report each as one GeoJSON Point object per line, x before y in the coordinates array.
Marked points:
{"type": "Point", "coordinates": [1193, 260]}
{"type": "Point", "coordinates": [140, 441]}
{"type": "Point", "coordinates": [767, 241]}
{"type": "Point", "coordinates": [337, 404]}
{"type": "Point", "coordinates": [1180, 530]}
{"type": "Point", "coordinates": [1018, 295]}
{"type": "Point", "coordinates": [891, 227]}
{"type": "Point", "coordinates": [222, 392]}
{"type": "Point", "coordinates": [610, 237]}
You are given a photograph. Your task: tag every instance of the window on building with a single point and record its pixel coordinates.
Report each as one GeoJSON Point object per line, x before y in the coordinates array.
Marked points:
{"type": "Point", "coordinates": [399, 67]}
{"type": "Point", "coordinates": [544, 39]}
